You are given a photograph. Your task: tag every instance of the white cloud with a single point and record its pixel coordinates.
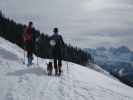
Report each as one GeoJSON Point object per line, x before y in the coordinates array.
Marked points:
{"type": "Point", "coordinates": [78, 20]}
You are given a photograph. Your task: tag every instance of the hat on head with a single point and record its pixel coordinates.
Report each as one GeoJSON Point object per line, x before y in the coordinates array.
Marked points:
{"type": "Point", "coordinates": [55, 30]}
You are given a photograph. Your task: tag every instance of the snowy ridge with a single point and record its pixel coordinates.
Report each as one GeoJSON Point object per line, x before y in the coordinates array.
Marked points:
{"type": "Point", "coordinates": [17, 82]}
{"type": "Point", "coordinates": [101, 70]}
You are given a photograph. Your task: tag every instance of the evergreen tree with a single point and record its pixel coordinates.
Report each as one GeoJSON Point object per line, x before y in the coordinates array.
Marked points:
{"type": "Point", "coordinates": [13, 32]}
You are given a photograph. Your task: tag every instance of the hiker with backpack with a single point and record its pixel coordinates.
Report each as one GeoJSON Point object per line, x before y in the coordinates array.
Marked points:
{"type": "Point", "coordinates": [57, 43]}
{"type": "Point", "coordinates": [28, 42]}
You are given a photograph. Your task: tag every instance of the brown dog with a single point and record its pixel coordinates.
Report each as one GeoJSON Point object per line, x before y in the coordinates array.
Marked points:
{"type": "Point", "coordinates": [49, 68]}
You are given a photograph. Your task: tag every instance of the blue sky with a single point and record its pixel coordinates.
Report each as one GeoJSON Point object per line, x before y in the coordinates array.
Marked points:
{"type": "Point", "coordinates": [83, 23]}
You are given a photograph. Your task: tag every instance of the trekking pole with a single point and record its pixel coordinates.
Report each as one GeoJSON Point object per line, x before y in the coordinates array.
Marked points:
{"type": "Point", "coordinates": [37, 53]}
{"type": "Point", "coordinates": [37, 59]}
{"type": "Point", "coordinates": [37, 49]}
{"type": "Point", "coordinates": [24, 55]}
{"type": "Point", "coordinates": [67, 60]}
{"type": "Point", "coordinates": [67, 68]}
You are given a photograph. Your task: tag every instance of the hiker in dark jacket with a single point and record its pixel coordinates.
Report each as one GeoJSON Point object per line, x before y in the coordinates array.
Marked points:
{"type": "Point", "coordinates": [57, 43]}
{"type": "Point", "coordinates": [28, 42]}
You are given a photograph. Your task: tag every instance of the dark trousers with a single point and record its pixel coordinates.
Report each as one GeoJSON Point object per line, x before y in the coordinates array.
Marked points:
{"type": "Point", "coordinates": [57, 65]}
{"type": "Point", "coordinates": [57, 60]}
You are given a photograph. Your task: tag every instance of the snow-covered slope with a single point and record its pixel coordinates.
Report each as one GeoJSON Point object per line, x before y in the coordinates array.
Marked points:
{"type": "Point", "coordinates": [19, 82]}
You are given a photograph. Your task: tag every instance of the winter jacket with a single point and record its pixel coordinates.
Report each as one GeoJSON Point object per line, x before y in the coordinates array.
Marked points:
{"type": "Point", "coordinates": [28, 40]}
{"type": "Point", "coordinates": [57, 48]}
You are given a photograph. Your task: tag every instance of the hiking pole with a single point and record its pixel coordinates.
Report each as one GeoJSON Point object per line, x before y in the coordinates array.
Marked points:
{"type": "Point", "coordinates": [65, 49]}
{"type": "Point", "coordinates": [37, 53]}
{"type": "Point", "coordinates": [24, 55]}
{"type": "Point", "coordinates": [37, 49]}
{"type": "Point", "coordinates": [37, 57]}
{"type": "Point", "coordinates": [67, 68]}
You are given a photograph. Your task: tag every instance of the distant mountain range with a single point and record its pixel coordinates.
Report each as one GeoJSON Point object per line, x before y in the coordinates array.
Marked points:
{"type": "Point", "coordinates": [117, 61]}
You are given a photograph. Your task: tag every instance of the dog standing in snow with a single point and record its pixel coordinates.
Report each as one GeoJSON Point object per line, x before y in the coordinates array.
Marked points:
{"type": "Point", "coordinates": [49, 68]}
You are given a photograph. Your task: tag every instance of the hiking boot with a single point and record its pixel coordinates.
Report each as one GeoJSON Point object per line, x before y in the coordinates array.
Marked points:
{"type": "Point", "coordinates": [56, 73]}
{"type": "Point", "coordinates": [59, 72]}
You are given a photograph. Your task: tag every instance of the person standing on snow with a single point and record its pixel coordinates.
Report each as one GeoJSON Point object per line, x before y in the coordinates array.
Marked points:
{"type": "Point", "coordinates": [56, 41]}
{"type": "Point", "coordinates": [28, 42]}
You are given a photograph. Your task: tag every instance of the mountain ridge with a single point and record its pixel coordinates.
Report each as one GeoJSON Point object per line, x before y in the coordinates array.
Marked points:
{"type": "Point", "coordinates": [117, 61]}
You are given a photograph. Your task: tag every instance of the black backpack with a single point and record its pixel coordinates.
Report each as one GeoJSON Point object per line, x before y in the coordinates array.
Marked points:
{"type": "Point", "coordinates": [56, 41]}
{"type": "Point", "coordinates": [59, 42]}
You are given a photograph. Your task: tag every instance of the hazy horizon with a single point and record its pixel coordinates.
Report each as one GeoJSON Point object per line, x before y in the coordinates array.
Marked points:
{"type": "Point", "coordinates": [85, 24]}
